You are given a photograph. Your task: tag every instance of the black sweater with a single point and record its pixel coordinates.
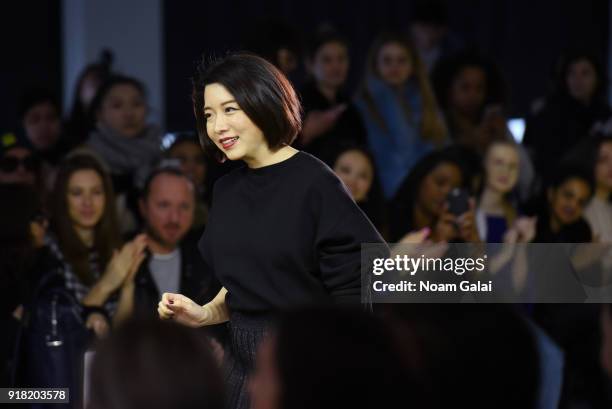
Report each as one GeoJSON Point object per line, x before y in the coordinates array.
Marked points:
{"type": "Point", "coordinates": [285, 235]}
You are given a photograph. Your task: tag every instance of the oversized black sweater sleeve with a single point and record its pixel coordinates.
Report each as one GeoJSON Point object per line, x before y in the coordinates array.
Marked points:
{"type": "Point", "coordinates": [285, 235]}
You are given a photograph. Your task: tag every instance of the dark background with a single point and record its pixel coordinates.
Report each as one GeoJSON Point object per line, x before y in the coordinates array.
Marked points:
{"type": "Point", "coordinates": [524, 37]}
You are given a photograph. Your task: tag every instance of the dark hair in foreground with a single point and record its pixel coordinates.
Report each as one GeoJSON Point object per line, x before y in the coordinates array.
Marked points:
{"type": "Point", "coordinates": [106, 234]}
{"type": "Point", "coordinates": [338, 358]}
{"type": "Point", "coordinates": [155, 364]}
{"type": "Point", "coordinates": [457, 354]}
{"type": "Point", "coordinates": [264, 94]}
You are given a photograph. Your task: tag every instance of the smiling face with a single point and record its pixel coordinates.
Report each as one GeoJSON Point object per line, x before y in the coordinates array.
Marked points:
{"type": "Point", "coordinates": [124, 110]}
{"type": "Point", "coordinates": [356, 172]}
{"type": "Point", "coordinates": [228, 126]}
{"type": "Point", "coordinates": [394, 64]}
{"type": "Point", "coordinates": [85, 198]}
{"type": "Point", "coordinates": [502, 168]}
{"type": "Point", "coordinates": [567, 202]}
{"type": "Point", "coordinates": [330, 65]}
{"type": "Point", "coordinates": [436, 186]}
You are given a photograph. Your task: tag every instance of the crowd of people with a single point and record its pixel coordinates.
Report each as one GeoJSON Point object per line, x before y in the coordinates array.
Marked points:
{"type": "Point", "coordinates": [100, 219]}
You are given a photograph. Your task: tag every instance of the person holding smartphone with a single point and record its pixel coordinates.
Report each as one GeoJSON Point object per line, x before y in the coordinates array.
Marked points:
{"type": "Point", "coordinates": [435, 196]}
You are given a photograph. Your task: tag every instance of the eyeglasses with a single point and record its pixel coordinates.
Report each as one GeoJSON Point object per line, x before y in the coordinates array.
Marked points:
{"type": "Point", "coordinates": [9, 164]}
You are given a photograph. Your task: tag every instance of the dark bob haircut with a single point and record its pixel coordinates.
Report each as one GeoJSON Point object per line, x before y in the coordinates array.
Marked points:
{"type": "Point", "coordinates": [260, 89]}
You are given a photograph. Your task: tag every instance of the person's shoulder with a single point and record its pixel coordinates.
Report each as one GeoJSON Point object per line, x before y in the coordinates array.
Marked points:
{"type": "Point", "coordinates": [314, 169]}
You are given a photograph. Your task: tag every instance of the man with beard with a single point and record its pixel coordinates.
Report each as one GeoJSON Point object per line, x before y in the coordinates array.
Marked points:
{"type": "Point", "coordinates": [174, 263]}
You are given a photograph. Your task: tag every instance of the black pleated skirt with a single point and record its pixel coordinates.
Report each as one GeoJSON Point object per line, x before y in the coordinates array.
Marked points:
{"type": "Point", "coordinates": [245, 333]}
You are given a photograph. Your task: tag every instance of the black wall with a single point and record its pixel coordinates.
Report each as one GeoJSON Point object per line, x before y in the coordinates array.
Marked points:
{"type": "Point", "coordinates": [30, 40]}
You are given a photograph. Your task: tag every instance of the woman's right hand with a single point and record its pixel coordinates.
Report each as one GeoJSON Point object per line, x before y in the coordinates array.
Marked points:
{"type": "Point", "coordinates": [181, 309]}
{"type": "Point", "coordinates": [123, 262]}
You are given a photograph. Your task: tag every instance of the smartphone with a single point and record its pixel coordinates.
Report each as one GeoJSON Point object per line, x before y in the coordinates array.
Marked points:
{"type": "Point", "coordinates": [458, 201]}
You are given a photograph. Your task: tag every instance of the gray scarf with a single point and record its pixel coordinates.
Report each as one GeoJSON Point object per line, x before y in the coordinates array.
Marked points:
{"type": "Point", "coordinates": [124, 155]}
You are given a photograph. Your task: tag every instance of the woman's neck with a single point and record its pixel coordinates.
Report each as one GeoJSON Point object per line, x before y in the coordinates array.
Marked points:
{"type": "Point", "coordinates": [492, 202]}
{"type": "Point", "coordinates": [267, 157]}
{"type": "Point", "coordinates": [86, 235]}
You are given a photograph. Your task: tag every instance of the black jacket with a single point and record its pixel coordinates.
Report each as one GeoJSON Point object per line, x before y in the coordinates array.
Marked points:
{"type": "Point", "coordinates": [195, 283]}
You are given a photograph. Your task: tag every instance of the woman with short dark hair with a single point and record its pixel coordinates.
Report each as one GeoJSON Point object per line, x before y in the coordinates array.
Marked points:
{"type": "Point", "coordinates": [282, 231]}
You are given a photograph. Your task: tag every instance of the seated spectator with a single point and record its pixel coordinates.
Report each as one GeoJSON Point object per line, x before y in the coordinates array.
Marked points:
{"type": "Point", "coordinates": [430, 32]}
{"type": "Point", "coordinates": [399, 110]}
{"type": "Point", "coordinates": [566, 116]}
{"type": "Point", "coordinates": [123, 140]}
{"type": "Point", "coordinates": [354, 165]}
{"type": "Point", "coordinates": [40, 115]}
{"type": "Point", "coordinates": [81, 120]}
{"type": "Point", "coordinates": [330, 119]}
{"type": "Point", "coordinates": [174, 264]}
{"type": "Point", "coordinates": [278, 42]}
{"type": "Point", "coordinates": [155, 365]}
{"type": "Point", "coordinates": [350, 363]}
{"type": "Point", "coordinates": [471, 95]}
{"type": "Point", "coordinates": [23, 259]}
{"type": "Point", "coordinates": [422, 201]}
{"type": "Point", "coordinates": [497, 214]}
{"type": "Point", "coordinates": [86, 239]}
{"type": "Point", "coordinates": [560, 218]}
{"type": "Point", "coordinates": [599, 211]}
{"type": "Point", "coordinates": [18, 163]}
{"type": "Point", "coordinates": [187, 151]}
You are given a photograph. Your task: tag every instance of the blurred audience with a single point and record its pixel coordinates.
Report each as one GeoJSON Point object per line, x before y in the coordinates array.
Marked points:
{"type": "Point", "coordinates": [127, 145]}
{"type": "Point", "coordinates": [575, 103]}
{"type": "Point", "coordinates": [430, 32]}
{"type": "Point", "coordinates": [354, 165]}
{"type": "Point", "coordinates": [86, 239]}
{"type": "Point", "coordinates": [560, 217]}
{"type": "Point", "coordinates": [23, 259]}
{"type": "Point", "coordinates": [191, 159]}
{"type": "Point", "coordinates": [422, 201]}
{"type": "Point", "coordinates": [399, 110]}
{"type": "Point", "coordinates": [41, 120]}
{"type": "Point", "coordinates": [599, 210]}
{"type": "Point", "coordinates": [330, 118]}
{"type": "Point", "coordinates": [471, 92]}
{"type": "Point", "coordinates": [497, 216]}
{"type": "Point", "coordinates": [18, 162]}
{"type": "Point", "coordinates": [81, 120]}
